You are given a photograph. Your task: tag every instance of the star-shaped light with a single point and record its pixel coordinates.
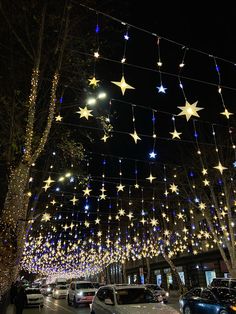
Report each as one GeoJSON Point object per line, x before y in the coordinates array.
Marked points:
{"type": "Point", "coordinates": [226, 113]}
{"type": "Point", "coordinates": [220, 167]}
{"type": "Point", "coordinates": [143, 220]}
{"type": "Point", "coordinates": [97, 221]}
{"type": "Point", "coordinates": [84, 112]}
{"type": "Point", "coordinates": [120, 187]}
{"type": "Point", "coordinates": [174, 188]}
{"type": "Point", "coordinates": [123, 85]}
{"type": "Point", "coordinates": [86, 223]}
{"type": "Point", "coordinates": [93, 82]}
{"type": "Point", "coordinates": [189, 110]}
{"type": "Point", "coordinates": [102, 196]}
{"type": "Point", "coordinates": [66, 227]}
{"type": "Point", "coordinates": [151, 178]}
{"type": "Point", "coordinates": [136, 186]}
{"type": "Point", "coordinates": [206, 182]}
{"type": "Point", "coordinates": [99, 234]}
{"type": "Point", "coordinates": [49, 181]}
{"type": "Point", "coordinates": [103, 189]}
{"type": "Point", "coordinates": [152, 155]}
{"type": "Point", "coordinates": [58, 118]}
{"type": "Point", "coordinates": [202, 206]}
{"type": "Point", "coordinates": [53, 202]}
{"type": "Point", "coordinates": [72, 225]}
{"type": "Point", "coordinates": [46, 217]}
{"type": "Point", "coordinates": [154, 222]}
{"type": "Point", "coordinates": [204, 171]}
{"type": "Point", "coordinates": [175, 134]}
{"type": "Point", "coordinates": [74, 200]}
{"type": "Point", "coordinates": [104, 138]}
{"type": "Point", "coordinates": [121, 212]}
{"type": "Point", "coordinates": [135, 136]}
{"type": "Point", "coordinates": [161, 89]}
{"type": "Point", "coordinates": [130, 215]}
{"type": "Point", "coordinates": [45, 187]}
{"type": "Point", "coordinates": [87, 191]}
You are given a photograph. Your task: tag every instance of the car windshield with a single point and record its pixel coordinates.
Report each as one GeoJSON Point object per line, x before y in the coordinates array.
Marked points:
{"type": "Point", "coordinates": [134, 296]}
{"type": "Point", "coordinates": [86, 285]}
{"type": "Point", "coordinates": [225, 295]}
{"type": "Point", "coordinates": [154, 287]}
{"type": "Point", "coordinates": [62, 288]}
{"type": "Point", "coordinates": [33, 291]}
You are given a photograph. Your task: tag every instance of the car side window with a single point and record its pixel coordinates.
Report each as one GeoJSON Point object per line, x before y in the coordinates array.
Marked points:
{"type": "Point", "coordinates": [110, 295]}
{"type": "Point", "coordinates": [101, 294]}
{"type": "Point", "coordinates": [206, 294]}
{"type": "Point", "coordinates": [194, 293]}
{"type": "Point", "coordinates": [233, 284]}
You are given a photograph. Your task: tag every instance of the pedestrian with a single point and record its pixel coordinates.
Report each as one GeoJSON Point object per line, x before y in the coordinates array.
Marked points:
{"type": "Point", "coordinates": [20, 299]}
{"type": "Point", "coordinates": [13, 292]}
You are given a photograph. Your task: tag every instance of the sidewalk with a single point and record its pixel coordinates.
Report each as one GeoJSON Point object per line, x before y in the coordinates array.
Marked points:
{"type": "Point", "coordinates": [10, 309]}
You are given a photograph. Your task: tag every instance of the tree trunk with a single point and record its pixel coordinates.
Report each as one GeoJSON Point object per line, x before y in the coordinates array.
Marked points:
{"type": "Point", "coordinates": [175, 272]}
{"type": "Point", "coordinates": [148, 270]}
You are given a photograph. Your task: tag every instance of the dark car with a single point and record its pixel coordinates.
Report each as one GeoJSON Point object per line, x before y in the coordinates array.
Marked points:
{"type": "Point", "coordinates": [224, 282]}
{"type": "Point", "coordinates": [218, 300]}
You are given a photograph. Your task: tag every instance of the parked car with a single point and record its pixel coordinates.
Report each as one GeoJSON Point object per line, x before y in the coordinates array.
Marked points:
{"type": "Point", "coordinates": [47, 289]}
{"type": "Point", "coordinates": [159, 293]}
{"type": "Point", "coordinates": [217, 300]}
{"type": "Point", "coordinates": [127, 299]}
{"type": "Point", "coordinates": [34, 297]}
{"type": "Point", "coordinates": [80, 292]}
{"type": "Point", "coordinates": [224, 282]}
{"type": "Point", "coordinates": [60, 292]}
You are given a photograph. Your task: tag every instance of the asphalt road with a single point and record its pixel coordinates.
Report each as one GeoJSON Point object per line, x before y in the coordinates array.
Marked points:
{"type": "Point", "coordinates": [52, 306]}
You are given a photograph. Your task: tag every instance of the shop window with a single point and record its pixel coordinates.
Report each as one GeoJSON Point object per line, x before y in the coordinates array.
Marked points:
{"type": "Point", "coordinates": [210, 275]}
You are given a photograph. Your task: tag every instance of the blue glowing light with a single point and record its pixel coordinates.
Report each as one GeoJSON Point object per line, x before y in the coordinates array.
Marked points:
{"type": "Point", "coordinates": [152, 155]}
{"type": "Point", "coordinates": [97, 30]}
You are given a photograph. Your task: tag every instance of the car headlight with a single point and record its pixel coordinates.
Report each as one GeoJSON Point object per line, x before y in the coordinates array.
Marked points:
{"type": "Point", "coordinates": [56, 292]}
{"type": "Point", "coordinates": [233, 307]}
{"type": "Point", "coordinates": [48, 289]}
{"type": "Point", "coordinates": [80, 294]}
{"type": "Point", "coordinates": [167, 294]}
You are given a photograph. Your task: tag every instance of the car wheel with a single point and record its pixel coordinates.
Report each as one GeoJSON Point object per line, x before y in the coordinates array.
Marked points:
{"type": "Point", "coordinates": [187, 310]}
{"type": "Point", "coordinates": [74, 302]}
{"type": "Point", "coordinates": [224, 312]}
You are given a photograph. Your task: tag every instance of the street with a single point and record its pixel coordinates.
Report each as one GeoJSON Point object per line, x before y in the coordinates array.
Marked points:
{"type": "Point", "coordinates": [52, 306]}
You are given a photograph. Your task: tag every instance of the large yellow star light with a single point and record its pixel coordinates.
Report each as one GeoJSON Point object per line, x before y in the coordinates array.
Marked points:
{"type": "Point", "coordinates": [189, 110]}
{"type": "Point", "coordinates": [151, 178]}
{"type": "Point", "coordinates": [87, 191]}
{"type": "Point", "coordinates": [135, 137]}
{"type": "Point", "coordinates": [123, 85]}
{"type": "Point", "coordinates": [226, 113]}
{"type": "Point", "coordinates": [220, 167]}
{"type": "Point", "coordinates": [84, 112]}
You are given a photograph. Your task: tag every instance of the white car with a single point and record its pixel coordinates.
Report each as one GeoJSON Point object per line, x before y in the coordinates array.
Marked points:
{"type": "Point", "coordinates": [60, 292]}
{"type": "Point", "coordinates": [127, 299]}
{"type": "Point", "coordinates": [159, 293]}
{"type": "Point", "coordinates": [80, 292]}
{"type": "Point", "coordinates": [34, 297]}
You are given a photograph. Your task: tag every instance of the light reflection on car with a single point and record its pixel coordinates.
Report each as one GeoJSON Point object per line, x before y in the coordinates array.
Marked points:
{"type": "Point", "coordinates": [159, 293]}
{"type": "Point", "coordinates": [218, 300]}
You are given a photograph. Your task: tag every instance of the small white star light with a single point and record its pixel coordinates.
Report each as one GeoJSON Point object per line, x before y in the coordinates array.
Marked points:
{"type": "Point", "coordinates": [152, 155]}
{"type": "Point", "coordinates": [189, 110]}
{"type": "Point", "coordinates": [161, 89]}
{"type": "Point", "coordinates": [123, 85]}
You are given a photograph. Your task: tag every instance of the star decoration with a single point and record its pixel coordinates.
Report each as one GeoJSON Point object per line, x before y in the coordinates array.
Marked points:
{"type": "Point", "coordinates": [72, 225]}
{"type": "Point", "coordinates": [87, 224]}
{"type": "Point", "coordinates": [93, 82]}
{"type": "Point", "coordinates": [220, 167]}
{"type": "Point", "coordinates": [180, 215]}
{"type": "Point", "coordinates": [136, 186]}
{"type": "Point", "coordinates": [104, 138]}
{"type": "Point", "coordinates": [151, 178]}
{"type": "Point", "coordinates": [103, 189]}
{"type": "Point", "coordinates": [226, 113]}
{"type": "Point", "coordinates": [174, 188]}
{"type": "Point", "coordinates": [58, 118]}
{"type": "Point", "coordinates": [189, 110]}
{"type": "Point", "coordinates": [46, 217]}
{"type": "Point", "coordinates": [123, 85]}
{"type": "Point", "coordinates": [202, 206]}
{"type": "Point", "coordinates": [102, 196]}
{"type": "Point", "coordinates": [161, 89]}
{"type": "Point", "coordinates": [175, 134]}
{"type": "Point", "coordinates": [121, 212]}
{"type": "Point", "coordinates": [49, 181]}
{"type": "Point", "coordinates": [135, 136]}
{"type": "Point", "coordinates": [99, 234]}
{"type": "Point", "coordinates": [166, 193]}
{"type": "Point", "coordinates": [97, 221]}
{"type": "Point", "coordinates": [154, 222]}
{"type": "Point", "coordinates": [84, 112]}
{"type": "Point", "coordinates": [45, 187]}
{"type": "Point", "coordinates": [206, 182]}
{"type": "Point", "coordinates": [130, 215]}
{"type": "Point", "coordinates": [53, 202]}
{"type": "Point", "coordinates": [74, 200]}
{"type": "Point", "coordinates": [152, 155]}
{"type": "Point", "coordinates": [120, 187]}
{"type": "Point", "coordinates": [204, 171]}
{"type": "Point", "coordinates": [66, 227]}
{"type": "Point", "coordinates": [87, 191]}
{"type": "Point", "coordinates": [143, 220]}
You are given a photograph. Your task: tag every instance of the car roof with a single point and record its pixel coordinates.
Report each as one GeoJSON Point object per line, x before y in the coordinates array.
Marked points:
{"type": "Point", "coordinates": [81, 281]}
{"type": "Point", "coordinates": [124, 286]}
